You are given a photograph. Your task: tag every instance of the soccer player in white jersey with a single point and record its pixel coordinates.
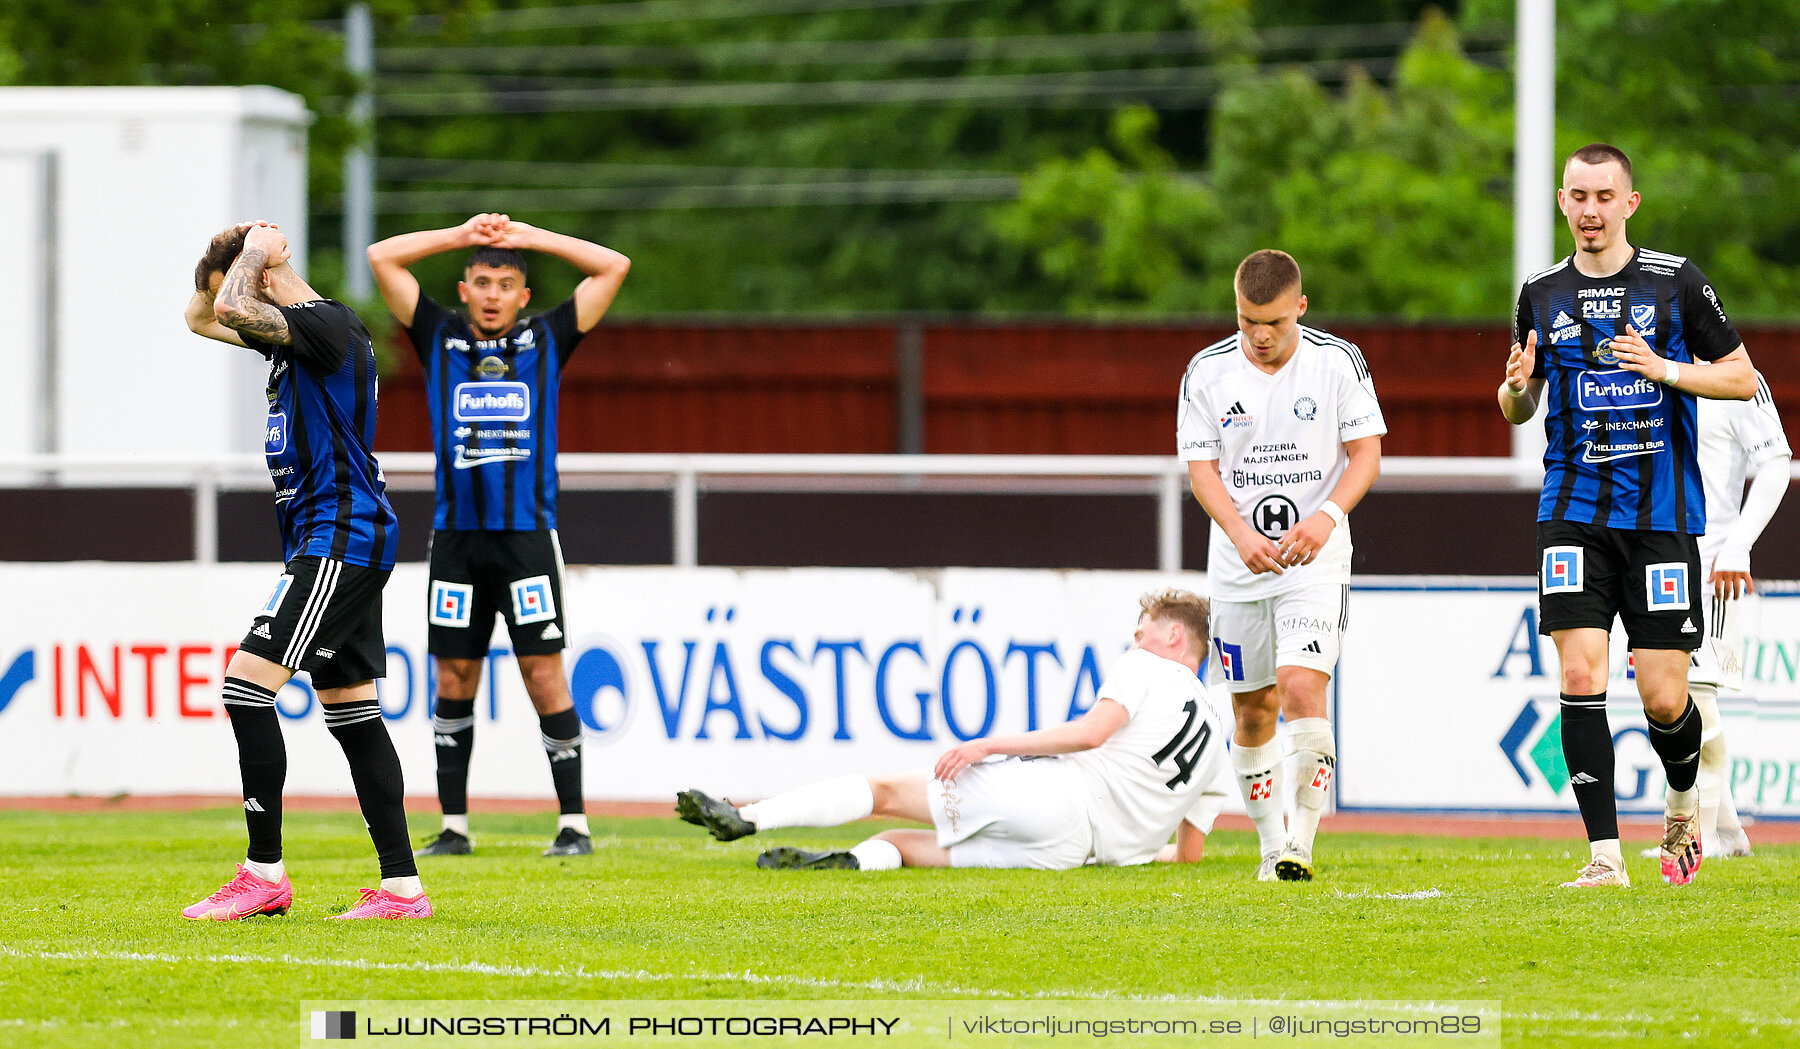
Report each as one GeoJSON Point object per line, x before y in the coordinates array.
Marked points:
{"type": "Point", "coordinates": [1739, 441]}
{"type": "Point", "coordinates": [1281, 432]}
{"type": "Point", "coordinates": [1108, 788]}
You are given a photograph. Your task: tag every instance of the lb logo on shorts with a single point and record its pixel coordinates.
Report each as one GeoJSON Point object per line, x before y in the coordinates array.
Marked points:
{"type": "Point", "coordinates": [533, 601]}
{"type": "Point", "coordinates": [1231, 659]}
{"type": "Point", "coordinates": [273, 604]}
{"type": "Point", "coordinates": [450, 603]}
{"type": "Point", "coordinates": [1666, 586]}
{"type": "Point", "coordinates": [1562, 570]}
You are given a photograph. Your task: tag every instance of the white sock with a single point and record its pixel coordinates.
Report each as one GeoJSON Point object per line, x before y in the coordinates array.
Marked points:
{"type": "Point", "coordinates": [1314, 763]}
{"type": "Point", "coordinates": [459, 824]}
{"type": "Point", "coordinates": [266, 871]}
{"type": "Point", "coordinates": [877, 854]}
{"type": "Point", "coordinates": [405, 888]}
{"type": "Point", "coordinates": [1260, 779]}
{"type": "Point", "coordinates": [1608, 847]}
{"type": "Point", "coordinates": [1679, 802]}
{"type": "Point", "coordinates": [578, 820]}
{"type": "Point", "coordinates": [826, 803]}
{"type": "Point", "coordinates": [1709, 780]}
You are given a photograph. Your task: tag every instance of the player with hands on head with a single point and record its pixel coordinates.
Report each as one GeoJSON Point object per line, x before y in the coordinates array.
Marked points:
{"type": "Point", "coordinates": [1281, 431]}
{"type": "Point", "coordinates": [1108, 788]}
{"type": "Point", "coordinates": [492, 379]}
{"type": "Point", "coordinates": [338, 535]}
{"type": "Point", "coordinates": [1611, 340]}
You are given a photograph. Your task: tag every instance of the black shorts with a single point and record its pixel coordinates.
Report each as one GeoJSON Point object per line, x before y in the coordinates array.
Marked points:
{"type": "Point", "coordinates": [324, 618]}
{"type": "Point", "coordinates": [478, 575]}
{"type": "Point", "coordinates": [1651, 580]}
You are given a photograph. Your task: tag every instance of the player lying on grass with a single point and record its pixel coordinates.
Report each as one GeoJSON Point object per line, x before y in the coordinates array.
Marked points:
{"type": "Point", "coordinates": [1109, 787]}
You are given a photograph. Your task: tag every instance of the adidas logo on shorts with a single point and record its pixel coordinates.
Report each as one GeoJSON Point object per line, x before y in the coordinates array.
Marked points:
{"type": "Point", "coordinates": [1687, 627]}
{"type": "Point", "coordinates": [1582, 778]}
{"type": "Point", "coordinates": [262, 631]}
{"type": "Point", "coordinates": [550, 633]}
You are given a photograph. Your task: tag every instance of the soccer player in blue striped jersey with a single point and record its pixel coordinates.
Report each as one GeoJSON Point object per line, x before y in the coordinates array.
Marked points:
{"type": "Point", "coordinates": [491, 380]}
{"type": "Point", "coordinates": [338, 536]}
{"type": "Point", "coordinates": [1608, 340]}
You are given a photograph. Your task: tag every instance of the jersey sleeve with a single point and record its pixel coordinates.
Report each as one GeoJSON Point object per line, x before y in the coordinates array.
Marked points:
{"type": "Point", "coordinates": [320, 332]}
{"type": "Point", "coordinates": [1707, 329]}
{"type": "Point", "coordinates": [1524, 321]}
{"type": "Point", "coordinates": [563, 326]}
{"type": "Point", "coordinates": [1197, 434]}
{"type": "Point", "coordinates": [1757, 427]}
{"type": "Point", "coordinates": [1359, 413]}
{"type": "Point", "coordinates": [1129, 682]}
{"type": "Point", "coordinates": [428, 317]}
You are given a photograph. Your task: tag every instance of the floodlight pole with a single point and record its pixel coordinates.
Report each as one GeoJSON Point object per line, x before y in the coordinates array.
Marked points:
{"type": "Point", "coordinates": [359, 160]}
{"type": "Point", "coordinates": [1534, 170]}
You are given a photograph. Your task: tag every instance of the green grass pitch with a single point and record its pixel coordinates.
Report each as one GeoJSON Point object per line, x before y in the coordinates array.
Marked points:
{"type": "Point", "coordinates": [92, 952]}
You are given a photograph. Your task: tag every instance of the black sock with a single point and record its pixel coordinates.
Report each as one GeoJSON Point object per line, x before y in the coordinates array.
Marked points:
{"type": "Point", "coordinates": [562, 745]}
{"type": "Point", "coordinates": [1588, 751]}
{"type": "Point", "coordinates": [380, 790]}
{"type": "Point", "coordinates": [454, 731]}
{"type": "Point", "coordinates": [1678, 745]}
{"type": "Point", "coordinates": [262, 763]}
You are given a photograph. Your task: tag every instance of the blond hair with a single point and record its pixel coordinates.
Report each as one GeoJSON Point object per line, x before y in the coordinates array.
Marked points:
{"type": "Point", "coordinates": [1184, 607]}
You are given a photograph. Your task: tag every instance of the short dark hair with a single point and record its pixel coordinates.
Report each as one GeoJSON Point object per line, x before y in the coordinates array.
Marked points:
{"type": "Point", "coordinates": [221, 252]}
{"type": "Point", "coordinates": [498, 258]}
{"type": "Point", "coordinates": [1265, 274]}
{"type": "Point", "coordinates": [1601, 153]}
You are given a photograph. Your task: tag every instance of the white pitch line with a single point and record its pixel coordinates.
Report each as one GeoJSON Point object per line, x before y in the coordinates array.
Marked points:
{"type": "Point", "coordinates": [912, 986]}
{"type": "Point", "coordinates": [1422, 894]}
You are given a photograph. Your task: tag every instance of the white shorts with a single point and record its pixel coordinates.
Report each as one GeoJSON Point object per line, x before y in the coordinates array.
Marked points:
{"type": "Point", "coordinates": [1301, 628]}
{"type": "Point", "coordinates": [1013, 813]}
{"type": "Point", "coordinates": [1719, 659]}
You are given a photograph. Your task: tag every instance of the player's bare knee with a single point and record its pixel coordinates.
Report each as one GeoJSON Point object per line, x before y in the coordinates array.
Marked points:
{"type": "Point", "coordinates": [458, 678]}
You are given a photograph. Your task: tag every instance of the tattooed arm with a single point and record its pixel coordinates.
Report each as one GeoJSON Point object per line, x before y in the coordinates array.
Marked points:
{"type": "Point", "coordinates": [201, 320]}
{"type": "Point", "coordinates": [238, 307]}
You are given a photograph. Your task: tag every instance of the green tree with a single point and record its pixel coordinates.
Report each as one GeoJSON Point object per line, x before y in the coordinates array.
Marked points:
{"type": "Point", "coordinates": [1386, 195]}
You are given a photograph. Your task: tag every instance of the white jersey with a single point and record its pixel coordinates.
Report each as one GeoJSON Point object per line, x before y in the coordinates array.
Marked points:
{"type": "Point", "coordinates": [1151, 774]}
{"type": "Point", "coordinates": [1736, 437]}
{"type": "Point", "coordinates": [1279, 442]}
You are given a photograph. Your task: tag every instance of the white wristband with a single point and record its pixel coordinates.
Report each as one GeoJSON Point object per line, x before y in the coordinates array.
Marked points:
{"type": "Point", "coordinates": [1333, 511]}
{"type": "Point", "coordinates": [1671, 373]}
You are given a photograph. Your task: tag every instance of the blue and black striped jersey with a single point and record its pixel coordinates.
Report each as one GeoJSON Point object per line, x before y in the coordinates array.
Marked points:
{"type": "Point", "coordinates": [493, 415]}
{"type": "Point", "coordinates": [330, 496]}
{"type": "Point", "coordinates": [1621, 447]}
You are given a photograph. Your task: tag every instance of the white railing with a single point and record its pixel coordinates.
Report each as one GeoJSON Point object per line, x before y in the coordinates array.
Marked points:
{"type": "Point", "coordinates": [685, 476]}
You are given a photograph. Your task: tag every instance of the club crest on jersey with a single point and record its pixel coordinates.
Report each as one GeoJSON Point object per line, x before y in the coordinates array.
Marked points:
{"type": "Point", "coordinates": [450, 603]}
{"type": "Point", "coordinates": [1231, 659]}
{"type": "Point", "coordinates": [490, 367]}
{"type": "Point", "coordinates": [275, 434]}
{"type": "Point", "coordinates": [491, 402]}
{"type": "Point", "coordinates": [1562, 570]}
{"type": "Point", "coordinates": [533, 600]}
{"type": "Point", "coordinates": [1643, 319]}
{"type": "Point", "coordinates": [1616, 390]}
{"type": "Point", "coordinates": [1666, 586]}
{"type": "Point", "coordinates": [1306, 409]}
